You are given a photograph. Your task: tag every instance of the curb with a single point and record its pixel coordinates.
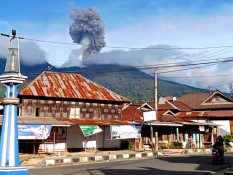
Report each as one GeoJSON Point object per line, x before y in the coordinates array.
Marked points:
{"type": "Point", "coordinates": [97, 158]}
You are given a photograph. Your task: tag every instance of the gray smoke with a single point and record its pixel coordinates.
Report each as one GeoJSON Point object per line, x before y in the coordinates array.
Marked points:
{"type": "Point", "coordinates": [88, 30]}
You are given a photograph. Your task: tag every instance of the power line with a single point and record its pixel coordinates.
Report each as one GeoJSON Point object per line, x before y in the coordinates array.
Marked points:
{"type": "Point", "coordinates": [204, 64]}
{"type": "Point", "coordinates": [204, 76]}
{"type": "Point", "coordinates": [159, 66]}
{"type": "Point", "coordinates": [134, 48]}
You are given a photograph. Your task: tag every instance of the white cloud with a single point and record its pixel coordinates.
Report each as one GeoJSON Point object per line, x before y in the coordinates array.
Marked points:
{"type": "Point", "coordinates": [196, 31]}
{"type": "Point", "coordinates": [30, 52]}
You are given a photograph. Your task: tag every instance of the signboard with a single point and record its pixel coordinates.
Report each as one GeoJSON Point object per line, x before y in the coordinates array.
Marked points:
{"type": "Point", "coordinates": [58, 134]}
{"type": "Point", "coordinates": [90, 129]}
{"type": "Point", "coordinates": [33, 131]}
{"type": "Point", "coordinates": [125, 131]}
{"type": "Point", "coordinates": [149, 116]}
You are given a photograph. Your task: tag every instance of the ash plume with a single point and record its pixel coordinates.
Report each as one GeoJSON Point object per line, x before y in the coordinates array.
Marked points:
{"type": "Point", "coordinates": [88, 30]}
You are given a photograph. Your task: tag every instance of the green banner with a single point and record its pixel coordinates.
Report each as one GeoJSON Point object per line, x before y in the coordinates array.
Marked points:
{"type": "Point", "coordinates": [90, 129]}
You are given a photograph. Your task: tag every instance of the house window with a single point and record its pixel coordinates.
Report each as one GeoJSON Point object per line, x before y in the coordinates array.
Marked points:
{"type": "Point", "coordinates": [74, 113]}
{"type": "Point", "coordinates": [37, 112]}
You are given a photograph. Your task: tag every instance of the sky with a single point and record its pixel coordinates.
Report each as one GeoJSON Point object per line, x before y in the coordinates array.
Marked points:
{"type": "Point", "coordinates": [133, 31]}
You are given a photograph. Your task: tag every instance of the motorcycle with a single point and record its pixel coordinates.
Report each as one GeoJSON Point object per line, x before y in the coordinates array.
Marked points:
{"type": "Point", "coordinates": [216, 157]}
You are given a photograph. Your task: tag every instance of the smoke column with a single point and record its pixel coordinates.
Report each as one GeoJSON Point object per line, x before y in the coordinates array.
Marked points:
{"type": "Point", "coordinates": [87, 29]}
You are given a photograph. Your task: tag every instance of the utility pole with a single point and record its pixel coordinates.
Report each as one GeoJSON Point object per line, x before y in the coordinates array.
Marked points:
{"type": "Point", "coordinates": [231, 90]}
{"type": "Point", "coordinates": [156, 105]}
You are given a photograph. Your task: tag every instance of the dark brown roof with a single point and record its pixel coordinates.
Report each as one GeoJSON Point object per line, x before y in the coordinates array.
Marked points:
{"type": "Point", "coordinates": [200, 101]}
{"type": "Point", "coordinates": [169, 118]}
{"type": "Point", "coordinates": [68, 85]}
{"type": "Point", "coordinates": [194, 99]}
{"type": "Point", "coordinates": [180, 105]}
{"type": "Point", "coordinates": [165, 106]}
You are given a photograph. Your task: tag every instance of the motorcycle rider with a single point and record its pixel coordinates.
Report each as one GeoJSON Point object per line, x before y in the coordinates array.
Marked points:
{"type": "Point", "coordinates": [219, 145]}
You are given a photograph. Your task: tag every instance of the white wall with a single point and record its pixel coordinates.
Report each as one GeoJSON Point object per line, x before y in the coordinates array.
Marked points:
{"type": "Point", "coordinates": [107, 142]}
{"type": "Point", "coordinates": [50, 148]}
{"type": "Point", "coordinates": [75, 139]}
{"type": "Point", "coordinates": [223, 128]}
{"type": "Point", "coordinates": [201, 120]}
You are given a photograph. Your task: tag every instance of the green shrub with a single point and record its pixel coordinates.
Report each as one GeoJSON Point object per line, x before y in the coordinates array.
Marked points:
{"type": "Point", "coordinates": [127, 144]}
{"type": "Point", "coordinates": [228, 138]}
{"type": "Point", "coordinates": [175, 145]}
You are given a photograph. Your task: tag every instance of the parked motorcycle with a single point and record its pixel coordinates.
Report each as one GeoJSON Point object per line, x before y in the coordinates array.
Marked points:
{"type": "Point", "coordinates": [217, 156]}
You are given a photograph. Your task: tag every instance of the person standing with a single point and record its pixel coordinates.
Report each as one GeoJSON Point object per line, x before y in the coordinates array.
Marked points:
{"type": "Point", "coordinates": [191, 144]}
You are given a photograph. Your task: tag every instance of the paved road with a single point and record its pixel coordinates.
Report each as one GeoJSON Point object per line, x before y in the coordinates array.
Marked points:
{"type": "Point", "coordinates": [177, 165]}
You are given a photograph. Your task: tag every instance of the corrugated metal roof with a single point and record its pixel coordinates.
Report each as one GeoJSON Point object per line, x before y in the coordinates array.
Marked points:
{"type": "Point", "coordinates": [68, 85]}
{"type": "Point", "coordinates": [40, 120]}
{"type": "Point", "coordinates": [68, 121]}
{"type": "Point", "coordinates": [180, 105]}
{"type": "Point", "coordinates": [193, 114]}
{"type": "Point", "coordinates": [197, 101]}
{"type": "Point", "coordinates": [134, 113]}
{"type": "Point", "coordinates": [194, 99]}
{"type": "Point", "coordinates": [96, 122]}
{"type": "Point", "coordinates": [131, 113]}
{"type": "Point", "coordinates": [168, 118]}
{"type": "Point", "coordinates": [165, 106]}
{"type": "Point", "coordinates": [222, 113]}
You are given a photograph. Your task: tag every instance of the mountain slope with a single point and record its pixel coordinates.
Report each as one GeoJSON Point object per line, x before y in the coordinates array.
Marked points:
{"type": "Point", "coordinates": [126, 81]}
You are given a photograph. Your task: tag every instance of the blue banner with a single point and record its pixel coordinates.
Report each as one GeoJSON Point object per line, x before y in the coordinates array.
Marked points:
{"type": "Point", "coordinates": [33, 131]}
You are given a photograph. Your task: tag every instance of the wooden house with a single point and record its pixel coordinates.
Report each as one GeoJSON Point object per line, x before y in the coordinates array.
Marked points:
{"type": "Point", "coordinates": [168, 126]}
{"type": "Point", "coordinates": [214, 108]}
{"type": "Point", "coordinates": [72, 100]}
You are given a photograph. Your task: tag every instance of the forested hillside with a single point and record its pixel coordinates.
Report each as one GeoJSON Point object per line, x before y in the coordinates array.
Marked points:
{"type": "Point", "coordinates": [126, 81]}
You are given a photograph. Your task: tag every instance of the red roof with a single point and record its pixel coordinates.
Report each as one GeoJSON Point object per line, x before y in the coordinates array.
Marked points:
{"type": "Point", "coordinates": [222, 113]}
{"type": "Point", "coordinates": [67, 85]}
{"type": "Point", "coordinates": [134, 113]}
{"type": "Point", "coordinates": [193, 114]}
{"type": "Point", "coordinates": [131, 113]}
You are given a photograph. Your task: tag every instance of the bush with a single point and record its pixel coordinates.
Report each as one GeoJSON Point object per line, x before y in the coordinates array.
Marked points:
{"type": "Point", "coordinates": [228, 138]}
{"type": "Point", "coordinates": [162, 146]}
{"type": "Point", "coordinates": [175, 145]}
{"type": "Point", "coordinates": [127, 144]}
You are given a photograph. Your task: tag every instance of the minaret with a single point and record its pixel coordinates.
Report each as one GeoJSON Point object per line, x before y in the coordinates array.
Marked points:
{"type": "Point", "coordinates": [11, 79]}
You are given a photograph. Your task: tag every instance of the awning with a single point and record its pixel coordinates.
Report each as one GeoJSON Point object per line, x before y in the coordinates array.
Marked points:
{"type": "Point", "coordinates": [40, 121]}
{"type": "Point", "coordinates": [198, 124]}
{"type": "Point", "coordinates": [96, 122]}
{"type": "Point", "coordinates": [163, 124]}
